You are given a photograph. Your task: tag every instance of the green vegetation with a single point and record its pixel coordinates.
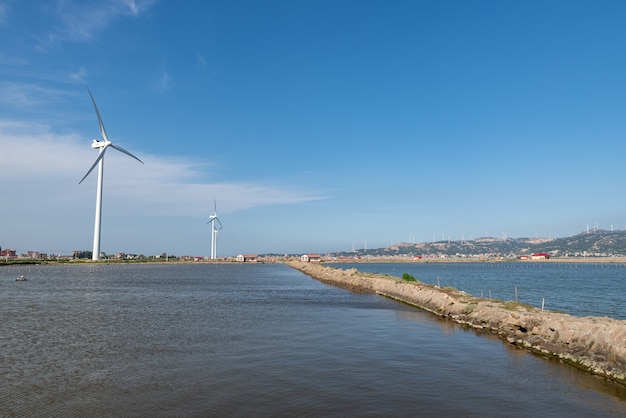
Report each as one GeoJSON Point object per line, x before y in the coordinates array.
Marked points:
{"type": "Point", "coordinates": [12, 262]}
{"type": "Point", "coordinates": [83, 254]}
{"type": "Point", "coordinates": [408, 277]}
{"type": "Point", "coordinates": [513, 306]}
{"type": "Point", "coordinates": [470, 307]}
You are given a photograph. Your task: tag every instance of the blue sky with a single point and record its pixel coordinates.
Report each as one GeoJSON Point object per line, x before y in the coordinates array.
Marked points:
{"type": "Point", "coordinates": [315, 125]}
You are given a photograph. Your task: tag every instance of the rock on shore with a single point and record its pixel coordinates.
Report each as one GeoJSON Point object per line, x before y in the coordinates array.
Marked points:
{"type": "Point", "coordinates": [595, 344]}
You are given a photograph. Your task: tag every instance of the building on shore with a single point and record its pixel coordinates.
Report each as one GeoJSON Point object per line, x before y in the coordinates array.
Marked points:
{"type": "Point", "coordinates": [540, 256]}
{"type": "Point", "coordinates": [247, 258]}
{"type": "Point", "coordinates": [311, 258]}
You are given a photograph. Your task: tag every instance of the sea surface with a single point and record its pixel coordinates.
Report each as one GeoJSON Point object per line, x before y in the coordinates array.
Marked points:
{"type": "Point", "coordinates": [257, 341]}
{"type": "Point", "coordinates": [581, 289]}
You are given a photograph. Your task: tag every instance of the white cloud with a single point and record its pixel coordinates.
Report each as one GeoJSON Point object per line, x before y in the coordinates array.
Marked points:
{"type": "Point", "coordinates": [79, 75]}
{"type": "Point", "coordinates": [159, 206]}
{"type": "Point", "coordinates": [3, 14]}
{"type": "Point", "coordinates": [132, 6]}
{"type": "Point", "coordinates": [164, 82]}
{"type": "Point", "coordinates": [25, 95]}
{"type": "Point", "coordinates": [13, 60]}
{"type": "Point", "coordinates": [81, 21]}
{"type": "Point", "coordinates": [31, 156]}
{"type": "Point", "coordinates": [201, 59]}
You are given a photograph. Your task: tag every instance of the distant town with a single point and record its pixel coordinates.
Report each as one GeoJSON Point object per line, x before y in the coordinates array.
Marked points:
{"type": "Point", "coordinates": [595, 243]}
{"type": "Point", "coordinates": [78, 255]}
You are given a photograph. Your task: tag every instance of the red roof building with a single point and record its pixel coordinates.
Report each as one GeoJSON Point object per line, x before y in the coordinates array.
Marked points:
{"type": "Point", "coordinates": [540, 256]}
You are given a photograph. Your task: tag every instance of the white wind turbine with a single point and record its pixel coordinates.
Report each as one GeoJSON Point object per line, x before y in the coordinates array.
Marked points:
{"type": "Point", "coordinates": [214, 230]}
{"type": "Point", "coordinates": [102, 146]}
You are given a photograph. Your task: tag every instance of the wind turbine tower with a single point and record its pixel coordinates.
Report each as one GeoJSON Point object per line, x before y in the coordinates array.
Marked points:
{"type": "Point", "coordinates": [102, 147]}
{"type": "Point", "coordinates": [214, 230]}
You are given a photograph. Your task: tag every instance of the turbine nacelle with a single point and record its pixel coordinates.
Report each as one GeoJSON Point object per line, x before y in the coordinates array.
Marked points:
{"type": "Point", "coordinates": [103, 145]}
{"type": "Point", "coordinates": [212, 219]}
{"type": "Point", "coordinates": [99, 144]}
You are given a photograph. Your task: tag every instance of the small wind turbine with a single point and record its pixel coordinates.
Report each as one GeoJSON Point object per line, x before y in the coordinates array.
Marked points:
{"type": "Point", "coordinates": [102, 146]}
{"type": "Point", "coordinates": [214, 230]}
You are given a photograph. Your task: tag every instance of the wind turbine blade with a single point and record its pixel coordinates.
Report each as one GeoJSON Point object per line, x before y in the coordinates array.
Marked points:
{"type": "Point", "coordinates": [100, 156]}
{"type": "Point", "coordinates": [102, 131]}
{"type": "Point", "coordinates": [218, 221]}
{"type": "Point", "coordinates": [125, 152]}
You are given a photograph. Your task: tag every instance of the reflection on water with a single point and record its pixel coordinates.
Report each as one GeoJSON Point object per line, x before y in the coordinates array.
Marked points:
{"type": "Point", "coordinates": [245, 340]}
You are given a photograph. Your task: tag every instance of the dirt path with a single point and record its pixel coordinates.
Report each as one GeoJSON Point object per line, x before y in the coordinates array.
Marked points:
{"type": "Point", "coordinates": [595, 344]}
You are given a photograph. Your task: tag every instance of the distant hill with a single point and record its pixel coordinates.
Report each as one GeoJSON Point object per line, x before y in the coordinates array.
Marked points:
{"type": "Point", "coordinates": [595, 243]}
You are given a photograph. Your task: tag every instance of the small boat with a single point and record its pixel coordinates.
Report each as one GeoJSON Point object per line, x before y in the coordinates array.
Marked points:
{"type": "Point", "coordinates": [20, 278]}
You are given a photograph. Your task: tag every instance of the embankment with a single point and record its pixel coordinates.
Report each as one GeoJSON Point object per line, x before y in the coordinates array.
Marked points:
{"type": "Point", "coordinates": [595, 344]}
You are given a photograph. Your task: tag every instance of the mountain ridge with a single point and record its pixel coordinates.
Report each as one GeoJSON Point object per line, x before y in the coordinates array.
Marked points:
{"type": "Point", "coordinates": [593, 243]}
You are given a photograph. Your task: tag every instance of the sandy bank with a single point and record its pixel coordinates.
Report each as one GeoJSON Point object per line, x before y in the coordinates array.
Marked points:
{"type": "Point", "coordinates": [595, 344]}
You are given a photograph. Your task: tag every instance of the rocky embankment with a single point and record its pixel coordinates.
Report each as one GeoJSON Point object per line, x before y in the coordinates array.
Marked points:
{"type": "Point", "coordinates": [596, 344]}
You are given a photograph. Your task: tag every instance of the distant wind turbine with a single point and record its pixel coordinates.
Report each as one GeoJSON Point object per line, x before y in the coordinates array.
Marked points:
{"type": "Point", "coordinates": [102, 146]}
{"type": "Point", "coordinates": [214, 230]}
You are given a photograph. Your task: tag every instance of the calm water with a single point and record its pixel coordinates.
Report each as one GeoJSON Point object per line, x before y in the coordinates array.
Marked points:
{"type": "Point", "coordinates": [582, 289]}
{"type": "Point", "coordinates": [257, 340]}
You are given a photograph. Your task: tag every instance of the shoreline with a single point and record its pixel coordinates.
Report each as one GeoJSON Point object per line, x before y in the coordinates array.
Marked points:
{"type": "Point", "coordinates": [594, 344]}
{"type": "Point", "coordinates": [287, 260]}
{"type": "Point", "coordinates": [603, 260]}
